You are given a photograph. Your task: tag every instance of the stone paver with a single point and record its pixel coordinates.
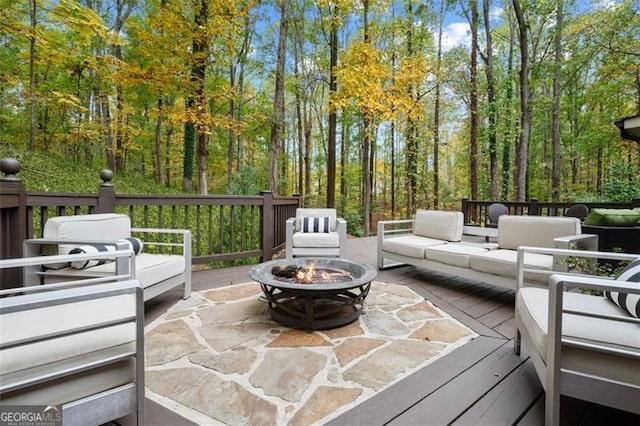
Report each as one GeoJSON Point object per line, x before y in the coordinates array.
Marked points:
{"type": "Point", "coordinates": [221, 359]}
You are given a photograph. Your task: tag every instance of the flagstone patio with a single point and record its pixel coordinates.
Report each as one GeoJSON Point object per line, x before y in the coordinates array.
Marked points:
{"type": "Point", "coordinates": [218, 358]}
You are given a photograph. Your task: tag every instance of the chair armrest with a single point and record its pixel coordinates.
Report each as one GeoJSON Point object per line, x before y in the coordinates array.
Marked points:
{"type": "Point", "coordinates": [559, 253]}
{"type": "Point", "coordinates": [580, 242]}
{"type": "Point", "coordinates": [391, 227]}
{"type": "Point", "coordinates": [32, 265]}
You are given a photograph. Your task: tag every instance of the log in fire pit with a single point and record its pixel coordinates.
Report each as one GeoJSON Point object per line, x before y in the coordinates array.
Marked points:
{"type": "Point", "coordinates": [314, 293]}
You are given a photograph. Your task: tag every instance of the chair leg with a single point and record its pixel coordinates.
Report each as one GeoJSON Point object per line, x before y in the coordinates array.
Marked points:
{"type": "Point", "coordinates": [517, 341]}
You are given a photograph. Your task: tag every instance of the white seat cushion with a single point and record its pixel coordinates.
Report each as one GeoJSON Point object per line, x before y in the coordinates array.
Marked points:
{"type": "Point", "coordinates": [504, 263]}
{"type": "Point", "coordinates": [150, 269]}
{"type": "Point", "coordinates": [315, 239]}
{"type": "Point", "coordinates": [531, 311]}
{"type": "Point", "coordinates": [409, 245]}
{"type": "Point", "coordinates": [455, 254]}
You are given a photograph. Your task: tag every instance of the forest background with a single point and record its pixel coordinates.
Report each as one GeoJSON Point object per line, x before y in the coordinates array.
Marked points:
{"type": "Point", "coordinates": [370, 106]}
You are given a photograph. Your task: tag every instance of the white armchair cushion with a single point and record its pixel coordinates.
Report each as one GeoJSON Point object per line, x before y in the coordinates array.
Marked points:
{"type": "Point", "coordinates": [316, 239]}
{"type": "Point", "coordinates": [629, 302]}
{"type": "Point", "coordinates": [104, 226]}
{"type": "Point", "coordinates": [531, 311]}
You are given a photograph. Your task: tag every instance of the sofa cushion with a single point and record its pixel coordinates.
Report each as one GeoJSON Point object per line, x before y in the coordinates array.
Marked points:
{"type": "Point", "coordinates": [440, 225]}
{"type": "Point", "coordinates": [630, 303]}
{"type": "Point", "coordinates": [535, 231]}
{"type": "Point", "coordinates": [409, 245]}
{"type": "Point", "coordinates": [612, 217]}
{"type": "Point", "coordinates": [455, 254]}
{"type": "Point", "coordinates": [504, 263]}
{"type": "Point", "coordinates": [316, 239]}
{"type": "Point", "coordinates": [531, 311]}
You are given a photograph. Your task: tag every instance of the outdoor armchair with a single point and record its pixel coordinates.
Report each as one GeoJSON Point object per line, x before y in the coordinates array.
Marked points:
{"type": "Point", "coordinates": [582, 345]}
{"type": "Point", "coordinates": [75, 349]}
{"type": "Point", "coordinates": [316, 233]}
{"type": "Point", "coordinates": [162, 263]}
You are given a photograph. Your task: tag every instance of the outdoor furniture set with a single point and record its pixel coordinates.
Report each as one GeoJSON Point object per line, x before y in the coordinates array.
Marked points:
{"type": "Point", "coordinates": [581, 344]}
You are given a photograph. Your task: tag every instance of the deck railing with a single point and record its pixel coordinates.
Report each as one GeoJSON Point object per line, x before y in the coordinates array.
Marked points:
{"type": "Point", "coordinates": [475, 212]}
{"type": "Point", "coordinates": [225, 228]}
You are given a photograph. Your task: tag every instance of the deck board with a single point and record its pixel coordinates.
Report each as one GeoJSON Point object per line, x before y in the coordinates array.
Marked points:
{"type": "Point", "coordinates": [482, 382]}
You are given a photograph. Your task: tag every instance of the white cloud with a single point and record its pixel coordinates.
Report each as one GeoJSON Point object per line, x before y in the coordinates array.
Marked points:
{"type": "Point", "coordinates": [455, 34]}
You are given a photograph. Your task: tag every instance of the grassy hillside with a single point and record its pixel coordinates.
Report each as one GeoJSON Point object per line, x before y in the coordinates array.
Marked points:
{"type": "Point", "coordinates": [49, 172]}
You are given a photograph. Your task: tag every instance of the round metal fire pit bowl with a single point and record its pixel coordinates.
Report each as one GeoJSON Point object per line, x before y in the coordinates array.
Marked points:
{"type": "Point", "coordinates": [315, 306]}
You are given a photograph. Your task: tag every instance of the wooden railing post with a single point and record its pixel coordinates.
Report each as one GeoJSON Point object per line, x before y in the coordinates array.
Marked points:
{"type": "Point", "coordinates": [465, 210]}
{"type": "Point", "coordinates": [13, 213]}
{"type": "Point", "coordinates": [106, 193]}
{"type": "Point", "coordinates": [533, 207]}
{"type": "Point", "coordinates": [267, 225]}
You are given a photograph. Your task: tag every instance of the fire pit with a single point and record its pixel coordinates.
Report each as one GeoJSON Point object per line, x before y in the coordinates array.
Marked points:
{"type": "Point", "coordinates": [314, 294]}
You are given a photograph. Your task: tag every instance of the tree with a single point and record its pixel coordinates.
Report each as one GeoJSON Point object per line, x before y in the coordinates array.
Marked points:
{"type": "Point", "coordinates": [522, 148]}
{"type": "Point", "coordinates": [557, 67]}
{"type": "Point", "coordinates": [277, 124]}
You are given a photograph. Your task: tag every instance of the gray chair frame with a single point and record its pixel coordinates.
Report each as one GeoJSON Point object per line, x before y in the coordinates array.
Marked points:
{"type": "Point", "coordinates": [557, 380]}
{"type": "Point", "coordinates": [104, 406]}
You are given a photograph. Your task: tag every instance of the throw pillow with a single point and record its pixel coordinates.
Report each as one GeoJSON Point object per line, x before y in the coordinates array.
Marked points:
{"type": "Point", "coordinates": [630, 303]}
{"type": "Point", "coordinates": [315, 224]}
{"type": "Point", "coordinates": [612, 217]}
{"type": "Point", "coordinates": [97, 248]}
{"type": "Point", "coordinates": [134, 243]}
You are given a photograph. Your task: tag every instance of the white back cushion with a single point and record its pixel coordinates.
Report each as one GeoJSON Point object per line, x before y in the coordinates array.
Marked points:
{"type": "Point", "coordinates": [535, 231]}
{"type": "Point", "coordinates": [104, 226]}
{"type": "Point", "coordinates": [441, 225]}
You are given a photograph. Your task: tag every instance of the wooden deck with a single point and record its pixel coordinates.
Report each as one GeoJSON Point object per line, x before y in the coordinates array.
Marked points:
{"type": "Point", "coordinates": [482, 382]}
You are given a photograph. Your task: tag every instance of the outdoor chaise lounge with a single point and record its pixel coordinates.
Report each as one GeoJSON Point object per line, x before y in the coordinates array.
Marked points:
{"type": "Point", "coordinates": [433, 240]}
{"type": "Point", "coordinates": [316, 233]}
{"type": "Point", "coordinates": [582, 345]}
{"type": "Point", "coordinates": [157, 273]}
{"type": "Point", "coordinates": [75, 349]}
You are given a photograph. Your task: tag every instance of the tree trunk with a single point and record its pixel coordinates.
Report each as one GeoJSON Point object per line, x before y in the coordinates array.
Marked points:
{"type": "Point", "coordinates": [436, 112]}
{"type": "Point", "coordinates": [522, 149]}
{"type": "Point", "coordinates": [366, 146]}
{"type": "Point", "coordinates": [491, 99]}
{"type": "Point", "coordinates": [277, 125]}
{"type": "Point", "coordinates": [555, 180]}
{"type": "Point", "coordinates": [158, 139]}
{"type": "Point", "coordinates": [333, 87]}
{"type": "Point", "coordinates": [473, 102]}
{"type": "Point", "coordinates": [32, 74]}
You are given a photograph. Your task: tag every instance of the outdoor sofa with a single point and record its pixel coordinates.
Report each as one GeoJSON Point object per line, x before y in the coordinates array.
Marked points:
{"type": "Point", "coordinates": [74, 349]}
{"type": "Point", "coordinates": [433, 240]}
{"type": "Point", "coordinates": [157, 273]}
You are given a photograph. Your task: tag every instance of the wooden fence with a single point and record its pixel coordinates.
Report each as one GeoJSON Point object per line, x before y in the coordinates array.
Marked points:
{"type": "Point", "coordinates": [475, 212]}
{"type": "Point", "coordinates": [224, 228]}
